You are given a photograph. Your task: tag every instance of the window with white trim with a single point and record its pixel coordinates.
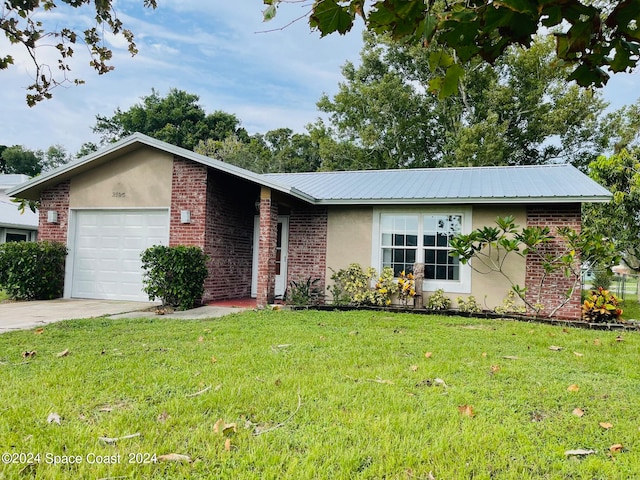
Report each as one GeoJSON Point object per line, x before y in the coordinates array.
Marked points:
{"type": "Point", "coordinates": [402, 238]}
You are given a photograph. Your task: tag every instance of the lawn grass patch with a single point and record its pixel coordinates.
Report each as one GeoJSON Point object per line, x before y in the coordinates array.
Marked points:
{"type": "Point", "coordinates": [322, 395]}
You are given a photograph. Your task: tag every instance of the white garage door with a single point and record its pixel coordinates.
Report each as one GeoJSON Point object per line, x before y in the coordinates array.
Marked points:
{"type": "Point", "coordinates": [107, 248]}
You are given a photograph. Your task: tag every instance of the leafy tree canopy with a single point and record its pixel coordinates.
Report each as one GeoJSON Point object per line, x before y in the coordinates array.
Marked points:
{"type": "Point", "coordinates": [17, 159]}
{"type": "Point", "coordinates": [592, 36]}
{"type": "Point", "coordinates": [176, 119]}
{"type": "Point", "coordinates": [519, 111]}
{"type": "Point", "coordinates": [618, 219]}
{"type": "Point", "coordinates": [279, 150]}
{"type": "Point", "coordinates": [23, 25]}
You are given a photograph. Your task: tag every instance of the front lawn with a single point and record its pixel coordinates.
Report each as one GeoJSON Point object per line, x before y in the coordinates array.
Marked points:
{"type": "Point", "coordinates": [319, 395]}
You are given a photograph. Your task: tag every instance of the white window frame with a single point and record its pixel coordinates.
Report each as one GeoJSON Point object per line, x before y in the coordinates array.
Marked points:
{"type": "Point", "coordinates": [463, 284]}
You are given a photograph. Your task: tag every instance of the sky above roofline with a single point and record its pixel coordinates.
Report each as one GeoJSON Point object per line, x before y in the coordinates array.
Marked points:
{"type": "Point", "coordinates": [211, 49]}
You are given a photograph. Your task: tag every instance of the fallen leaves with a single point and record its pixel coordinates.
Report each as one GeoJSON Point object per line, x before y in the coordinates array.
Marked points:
{"type": "Point", "coordinates": [63, 353]}
{"type": "Point", "coordinates": [204, 390]}
{"type": "Point", "coordinates": [579, 452]}
{"type": "Point", "coordinates": [605, 425]}
{"type": "Point", "coordinates": [466, 411]}
{"type": "Point", "coordinates": [413, 368]}
{"type": "Point", "coordinates": [222, 428]}
{"type": "Point", "coordinates": [54, 418]}
{"type": "Point", "coordinates": [494, 369]}
{"type": "Point", "coordinates": [112, 440]}
{"type": "Point", "coordinates": [39, 331]}
{"type": "Point", "coordinates": [175, 457]}
{"type": "Point", "coordinates": [29, 354]}
{"type": "Point", "coordinates": [573, 388]}
{"type": "Point", "coordinates": [578, 354]}
{"type": "Point", "coordinates": [555, 348]}
{"type": "Point", "coordinates": [511, 357]}
{"type": "Point", "coordinates": [428, 355]}
{"type": "Point", "coordinates": [616, 447]}
{"type": "Point", "coordinates": [578, 412]}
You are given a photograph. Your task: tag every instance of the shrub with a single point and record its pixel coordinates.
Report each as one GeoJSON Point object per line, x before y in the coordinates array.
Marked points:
{"type": "Point", "coordinates": [601, 306]}
{"type": "Point", "coordinates": [406, 287]}
{"type": "Point", "coordinates": [602, 278]}
{"type": "Point", "coordinates": [304, 292]}
{"type": "Point", "coordinates": [470, 305]}
{"type": "Point", "coordinates": [509, 305]}
{"type": "Point", "coordinates": [175, 275]}
{"type": "Point", "coordinates": [32, 270]}
{"type": "Point", "coordinates": [384, 288]}
{"type": "Point", "coordinates": [353, 284]}
{"type": "Point", "coordinates": [438, 301]}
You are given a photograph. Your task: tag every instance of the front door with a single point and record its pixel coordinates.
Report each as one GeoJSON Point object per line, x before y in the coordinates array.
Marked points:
{"type": "Point", "coordinates": [282, 248]}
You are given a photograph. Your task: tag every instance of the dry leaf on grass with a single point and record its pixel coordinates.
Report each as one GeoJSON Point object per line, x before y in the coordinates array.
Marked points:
{"type": "Point", "coordinates": [63, 353]}
{"type": "Point", "coordinates": [214, 359]}
{"type": "Point", "coordinates": [605, 425]}
{"type": "Point", "coordinates": [200, 339]}
{"type": "Point", "coordinates": [555, 348]}
{"type": "Point", "coordinates": [222, 428]}
{"type": "Point", "coordinates": [414, 368]}
{"type": "Point", "coordinates": [163, 417]}
{"type": "Point", "coordinates": [578, 354]}
{"type": "Point", "coordinates": [573, 388]}
{"type": "Point", "coordinates": [580, 451]}
{"type": "Point", "coordinates": [616, 447]}
{"type": "Point", "coordinates": [466, 410]}
{"type": "Point", "coordinates": [227, 445]}
{"type": "Point", "coordinates": [174, 457]}
{"type": "Point", "coordinates": [29, 354]}
{"type": "Point", "coordinates": [484, 355]}
{"type": "Point", "coordinates": [510, 357]}
{"type": "Point", "coordinates": [578, 412]}
{"type": "Point", "coordinates": [495, 369]}
{"type": "Point", "coordinates": [39, 331]}
{"type": "Point", "coordinates": [428, 355]}
{"type": "Point", "coordinates": [53, 418]}
{"type": "Point", "coordinates": [112, 440]}
{"type": "Point", "coordinates": [597, 342]}
{"type": "Point", "coordinates": [619, 338]}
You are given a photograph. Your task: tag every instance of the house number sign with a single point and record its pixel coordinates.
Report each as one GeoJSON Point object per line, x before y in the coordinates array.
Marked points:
{"type": "Point", "coordinates": [118, 194]}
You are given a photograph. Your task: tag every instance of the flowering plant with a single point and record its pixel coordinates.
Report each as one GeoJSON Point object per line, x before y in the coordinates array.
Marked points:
{"type": "Point", "coordinates": [406, 287]}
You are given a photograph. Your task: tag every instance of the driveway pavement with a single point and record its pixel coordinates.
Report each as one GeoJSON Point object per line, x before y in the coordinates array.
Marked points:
{"type": "Point", "coordinates": [26, 315]}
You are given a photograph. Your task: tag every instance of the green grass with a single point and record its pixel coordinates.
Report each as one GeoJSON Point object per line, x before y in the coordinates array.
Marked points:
{"type": "Point", "coordinates": [3, 296]}
{"type": "Point", "coordinates": [631, 309]}
{"type": "Point", "coordinates": [345, 395]}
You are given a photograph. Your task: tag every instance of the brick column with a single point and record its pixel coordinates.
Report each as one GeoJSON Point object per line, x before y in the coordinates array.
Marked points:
{"type": "Point", "coordinates": [556, 285]}
{"type": "Point", "coordinates": [267, 249]}
{"type": "Point", "coordinates": [188, 192]}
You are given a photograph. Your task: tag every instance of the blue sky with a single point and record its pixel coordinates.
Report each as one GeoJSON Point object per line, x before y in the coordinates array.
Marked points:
{"type": "Point", "coordinates": [208, 48]}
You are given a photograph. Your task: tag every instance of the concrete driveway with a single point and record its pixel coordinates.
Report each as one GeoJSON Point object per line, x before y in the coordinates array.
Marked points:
{"type": "Point", "coordinates": [26, 315]}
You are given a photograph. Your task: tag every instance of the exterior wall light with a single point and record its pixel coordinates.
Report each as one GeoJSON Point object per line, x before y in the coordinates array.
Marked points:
{"type": "Point", "coordinates": [52, 216]}
{"type": "Point", "coordinates": [185, 216]}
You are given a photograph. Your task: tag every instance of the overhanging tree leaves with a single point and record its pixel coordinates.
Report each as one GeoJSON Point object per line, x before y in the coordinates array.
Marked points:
{"type": "Point", "coordinates": [592, 36]}
{"type": "Point", "coordinates": [22, 23]}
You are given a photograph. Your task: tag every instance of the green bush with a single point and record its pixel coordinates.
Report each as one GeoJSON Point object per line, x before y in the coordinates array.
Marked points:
{"type": "Point", "coordinates": [175, 275]}
{"type": "Point", "coordinates": [32, 270]}
{"type": "Point", "coordinates": [439, 301]}
{"type": "Point", "coordinates": [304, 292]}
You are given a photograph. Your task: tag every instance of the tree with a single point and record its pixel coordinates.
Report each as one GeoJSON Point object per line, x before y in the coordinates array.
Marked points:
{"type": "Point", "coordinates": [18, 159]}
{"type": "Point", "coordinates": [592, 36]}
{"type": "Point", "coordinates": [520, 111]}
{"type": "Point", "coordinates": [177, 119]}
{"type": "Point", "coordinates": [278, 150]}
{"type": "Point", "coordinates": [618, 219]}
{"type": "Point", "coordinates": [21, 21]}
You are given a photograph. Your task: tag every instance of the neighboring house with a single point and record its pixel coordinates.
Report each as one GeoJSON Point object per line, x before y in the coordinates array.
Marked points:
{"type": "Point", "coordinates": [262, 231]}
{"type": "Point", "coordinates": [15, 226]}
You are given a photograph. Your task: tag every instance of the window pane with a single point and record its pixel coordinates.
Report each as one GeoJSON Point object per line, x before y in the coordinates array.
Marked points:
{"type": "Point", "coordinates": [441, 256]}
{"type": "Point", "coordinates": [412, 240]}
{"type": "Point", "coordinates": [398, 240]}
{"type": "Point", "coordinates": [411, 257]}
{"type": "Point", "coordinates": [386, 239]}
{"type": "Point", "coordinates": [398, 255]}
{"type": "Point", "coordinates": [429, 240]}
{"type": "Point", "coordinates": [386, 256]}
{"type": "Point", "coordinates": [441, 273]}
{"type": "Point", "coordinates": [429, 272]}
{"type": "Point", "coordinates": [443, 240]}
{"type": "Point", "coordinates": [430, 256]}
{"type": "Point", "coordinates": [454, 273]}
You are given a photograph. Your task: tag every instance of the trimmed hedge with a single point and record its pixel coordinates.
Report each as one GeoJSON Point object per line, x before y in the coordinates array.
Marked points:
{"type": "Point", "coordinates": [175, 275]}
{"type": "Point", "coordinates": [32, 270]}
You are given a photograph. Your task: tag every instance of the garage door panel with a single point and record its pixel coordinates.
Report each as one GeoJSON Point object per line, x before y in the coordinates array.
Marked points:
{"type": "Point", "coordinates": [107, 251]}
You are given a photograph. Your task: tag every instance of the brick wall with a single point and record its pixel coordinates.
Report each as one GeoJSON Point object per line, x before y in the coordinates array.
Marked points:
{"type": "Point", "coordinates": [188, 192]}
{"type": "Point", "coordinates": [229, 237]}
{"type": "Point", "coordinates": [54, 198]}
{"type": "Point", "coordinates": [308, 245]}
{"type": "Point", "coordinates": [556, 285]}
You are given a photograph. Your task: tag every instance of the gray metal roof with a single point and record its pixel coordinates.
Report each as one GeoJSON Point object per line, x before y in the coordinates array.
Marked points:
{"type": "Point", "coordinates": [520, 184]}
{"type": "Point", "coordinates": [526, 184]}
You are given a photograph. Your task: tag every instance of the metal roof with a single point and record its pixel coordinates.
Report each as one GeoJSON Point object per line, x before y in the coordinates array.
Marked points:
{"type": "Point", "coordinates": [519, 184]}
